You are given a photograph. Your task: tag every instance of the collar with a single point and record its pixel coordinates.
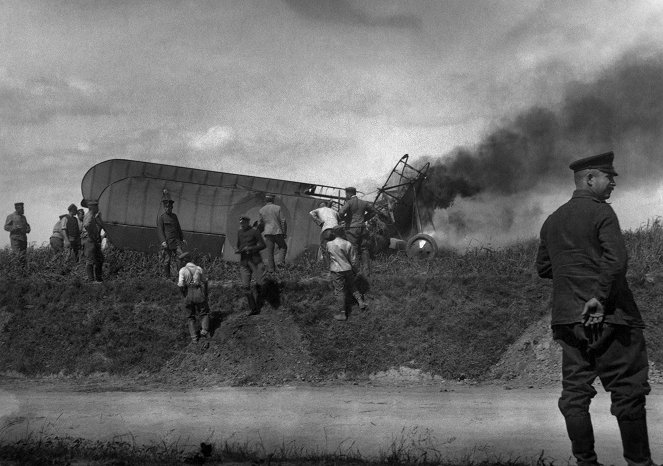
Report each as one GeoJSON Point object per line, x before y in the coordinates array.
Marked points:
{"type": "Point", "coordinates": [586, 194]}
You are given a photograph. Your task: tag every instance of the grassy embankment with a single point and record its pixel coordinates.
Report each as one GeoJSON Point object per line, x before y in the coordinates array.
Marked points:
{"type": "Point", "coordinates": [452, 316]}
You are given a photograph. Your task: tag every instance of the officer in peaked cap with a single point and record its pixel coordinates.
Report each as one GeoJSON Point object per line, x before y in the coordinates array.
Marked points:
{"type": "Point", "coordinates": [602, 162]}
{"type": "Point", "coordinates": [594, 316]}
{"type": "Point", "coordinates": [18, 227]}
{"type": "Point", "coordinates": [171, 237]}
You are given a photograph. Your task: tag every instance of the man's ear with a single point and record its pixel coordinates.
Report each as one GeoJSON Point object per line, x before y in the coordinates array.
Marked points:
{"type": "Point", "coordinates": [590, 179]}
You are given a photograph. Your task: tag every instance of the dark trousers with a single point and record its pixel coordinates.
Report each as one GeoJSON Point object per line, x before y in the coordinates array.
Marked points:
{"type": "Point", "coordinates": [251, 266]}
{"type": "Point", "coordinates": [275, 244]}
{"type": "Point", "coordinates": [343, 283]}
{"type": "Point", "coordinates": [94, 259]}
{"type": "Point", "coordinates": [325, 237]}
{"type": "Point", "coordinates": [20, 248]}
{"type": "Point", "coordinates": [196, 309]}
{"type": "Point", "coordinates": [358, 237]}
{"type": "Point", "coordinates": [618, 357]}
{"type": "Point", "coordinates": [168, 257]}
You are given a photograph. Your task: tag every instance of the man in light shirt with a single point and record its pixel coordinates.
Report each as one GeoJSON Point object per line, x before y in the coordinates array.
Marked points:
{"type": "Point", "coordinates": [274, 229]}
{"type": "Point", "coordinates": [327, 219]}
{"type": "Point", "coordinates": [343, 266]}
{"type": "Point", "coordinates": [193, 287]}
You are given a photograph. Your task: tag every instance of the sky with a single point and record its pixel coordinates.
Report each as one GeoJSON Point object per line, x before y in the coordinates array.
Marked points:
{"type": "Point", "coordinates": [335, 92]}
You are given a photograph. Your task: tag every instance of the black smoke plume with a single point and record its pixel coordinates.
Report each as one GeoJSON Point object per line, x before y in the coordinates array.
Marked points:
{"type": "Point", "coordinates": [621, 110]}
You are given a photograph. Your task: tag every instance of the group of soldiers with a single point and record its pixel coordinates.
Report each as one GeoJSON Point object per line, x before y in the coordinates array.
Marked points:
{"type": "Point", "coordinates": [78, 232]}
{"type": "Point", "coordinates": [343, 240]}
{"type": "Point", "coordinates": [594, 316]}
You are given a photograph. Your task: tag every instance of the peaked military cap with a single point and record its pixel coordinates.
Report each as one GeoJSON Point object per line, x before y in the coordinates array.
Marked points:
{"type": "Point", "coordinates": [244, 218]}
{"type": "Point", "coordinates": [18, 204]}
{"type": "Point", "coordinates": [167, 201]}
{"type": "Point", "coordinates": [601, 162]}
{"type": "Point", "coordinates": [72, 207]}
{"type": "Point", "coordinates": [351, 189]}
{"type": "Point", "coordinates": [269, 197]}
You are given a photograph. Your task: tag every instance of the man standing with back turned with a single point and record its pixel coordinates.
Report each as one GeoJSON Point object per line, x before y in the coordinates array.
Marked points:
{"type": "Point", "coordinates": [355, 212]}
{"type": "Point", "coordinates": [275, 230]}
{"type": "Point", "coordinates": [594, 316]}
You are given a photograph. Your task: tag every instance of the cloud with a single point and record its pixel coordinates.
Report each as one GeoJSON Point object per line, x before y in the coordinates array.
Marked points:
{"type": "Point", "coordinates": [215, 137]}
{"type": "Point", "coordinates": [344, 12]}
{"type": "Point", "coordinates": [37, 101]}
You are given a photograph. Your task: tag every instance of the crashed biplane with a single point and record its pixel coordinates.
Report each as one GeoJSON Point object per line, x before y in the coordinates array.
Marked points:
{"type": "Point", "coordinates": [209, 204]}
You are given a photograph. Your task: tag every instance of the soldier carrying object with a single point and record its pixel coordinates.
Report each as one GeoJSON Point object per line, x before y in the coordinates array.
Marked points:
{"type": "Point", "coordinates": [594, 316]}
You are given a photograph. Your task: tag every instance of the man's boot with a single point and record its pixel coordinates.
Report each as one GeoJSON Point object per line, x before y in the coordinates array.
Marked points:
{"type": "Point", "coordinates": [635, 441]}
{"type": "Point", "coordinates": [253, 308]}
{"type": "Point", "coordinates": [192, 330]}
{"type": "Point", "coordinates": [360, 300]}
{"type": "Point", "coordinates": [581, 434]}
{"type": "Point", "coordinates": [89, 268]}
{"type": "Point", "coordinates": [98, 272]}
{"type": "Point", "coordinates": [204, 326]}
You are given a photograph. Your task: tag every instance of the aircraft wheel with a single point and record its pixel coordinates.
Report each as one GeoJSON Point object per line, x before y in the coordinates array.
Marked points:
{"type": "Point", "coordinates": [421, 246]}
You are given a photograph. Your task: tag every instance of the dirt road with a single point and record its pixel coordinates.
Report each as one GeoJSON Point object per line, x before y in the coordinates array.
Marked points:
{"type": "Point", "coordinates": [480, 420]}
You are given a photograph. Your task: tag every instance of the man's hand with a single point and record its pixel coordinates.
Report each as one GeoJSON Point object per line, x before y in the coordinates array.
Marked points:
{"type": "Point", "coordinates": [592, 317]}
{"type": "Point", "coordinates": [164, 245]}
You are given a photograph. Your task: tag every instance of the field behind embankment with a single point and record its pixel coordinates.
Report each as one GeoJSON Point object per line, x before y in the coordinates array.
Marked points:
{"type": "Point", "coordinates": [457, 317]}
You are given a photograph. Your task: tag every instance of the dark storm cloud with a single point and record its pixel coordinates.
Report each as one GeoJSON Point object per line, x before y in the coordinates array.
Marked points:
{"type": "Point", "coordinates": [621, 110]}
{"type": "Point", "coordinates": [38, 101]}
{"type": "Point", "coordinates": [343, 12]}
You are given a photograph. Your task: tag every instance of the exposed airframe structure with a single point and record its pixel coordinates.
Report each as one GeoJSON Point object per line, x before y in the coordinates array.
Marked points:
{"type": "Point", "coordinates": [207, 203]}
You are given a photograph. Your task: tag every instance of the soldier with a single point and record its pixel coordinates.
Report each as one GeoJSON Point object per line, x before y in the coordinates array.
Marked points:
{"type": "Point", "coordinates": [274, 228]}
{"type": "Point", "coordinates": [343, 267]}
{"type": "Point", "coordinates": [57, 238]}
{"type": "Point", "coordinates": [327, 219]}
{"type": "Point", "coordinates": [355, 212]}
{"type": "Point", "coordinates": [170, 236]}
{"type": "Point", "coordinates": [249, 245]}
{"type": "Point", "coordinates": [94, 257]}
{"type": "Point", "coordinates": [80, 214]}
{"type": "Point", "coordinates": [594, 316]}
{"type": "Point", "coordinates": [18, 228]}
{"type": "Point", "coordinates": [193, 286]}
{"type": "Point", "coordinates": [71, 233]}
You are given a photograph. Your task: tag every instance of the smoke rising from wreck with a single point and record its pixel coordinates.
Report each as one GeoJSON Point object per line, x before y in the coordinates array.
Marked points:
{"type": "Point", "coordinates": [621, 110]}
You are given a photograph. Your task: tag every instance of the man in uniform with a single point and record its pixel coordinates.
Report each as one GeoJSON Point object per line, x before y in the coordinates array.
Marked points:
{"type": "Point", "coordinates": [71, 233]}
{"type": "Point", "coordinates": [594, 316]}
{"type": "Point", "coordinates": [18, 228]}
{"type": "Point", "coordinates": [94, 257]}
{"type": "Point", "coordinates": [327, 219]}
{"type": "Point", "coordinates": [170, 237]}
{"type": "Point", "coordinates": [193, 287]}
{"type": "Point", "coordinates": [274, 228]}
{"type": "Point", "coordinates": [249, 245]}
{"type": "Point", "coordinates": [355, 212]}
{"type": "Point", "coordinates": [342, 268]}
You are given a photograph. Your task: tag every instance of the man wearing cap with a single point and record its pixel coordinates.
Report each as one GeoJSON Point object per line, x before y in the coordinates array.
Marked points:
{"type": "Point", "coordinates": [71, 233]}
{"type": "Point", "coordinates": [80, 215]}
{"type": "Point", "coordinates": [355, 212]}
{"type": "Point", "coordinates": [274, 228]}
{"type": "Point", "coordinates": [594, 316]}
{"type": "Point", "coordinates": [249, 245]}
{"type": "Point", "coordinates": [342, 268]}
{"type": "Point", "coordinates": [193, 287]}
{"type": "Point", "coordinates": [94, 257]}
{"type": "Point", "coordinates": [18, 228]}
{"type": "Point", "coordinates": [327, 219]}
{"type": "Point", "coordinates": [57, 238]}
{"type": "Point", "coordinates": [170, 237]}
